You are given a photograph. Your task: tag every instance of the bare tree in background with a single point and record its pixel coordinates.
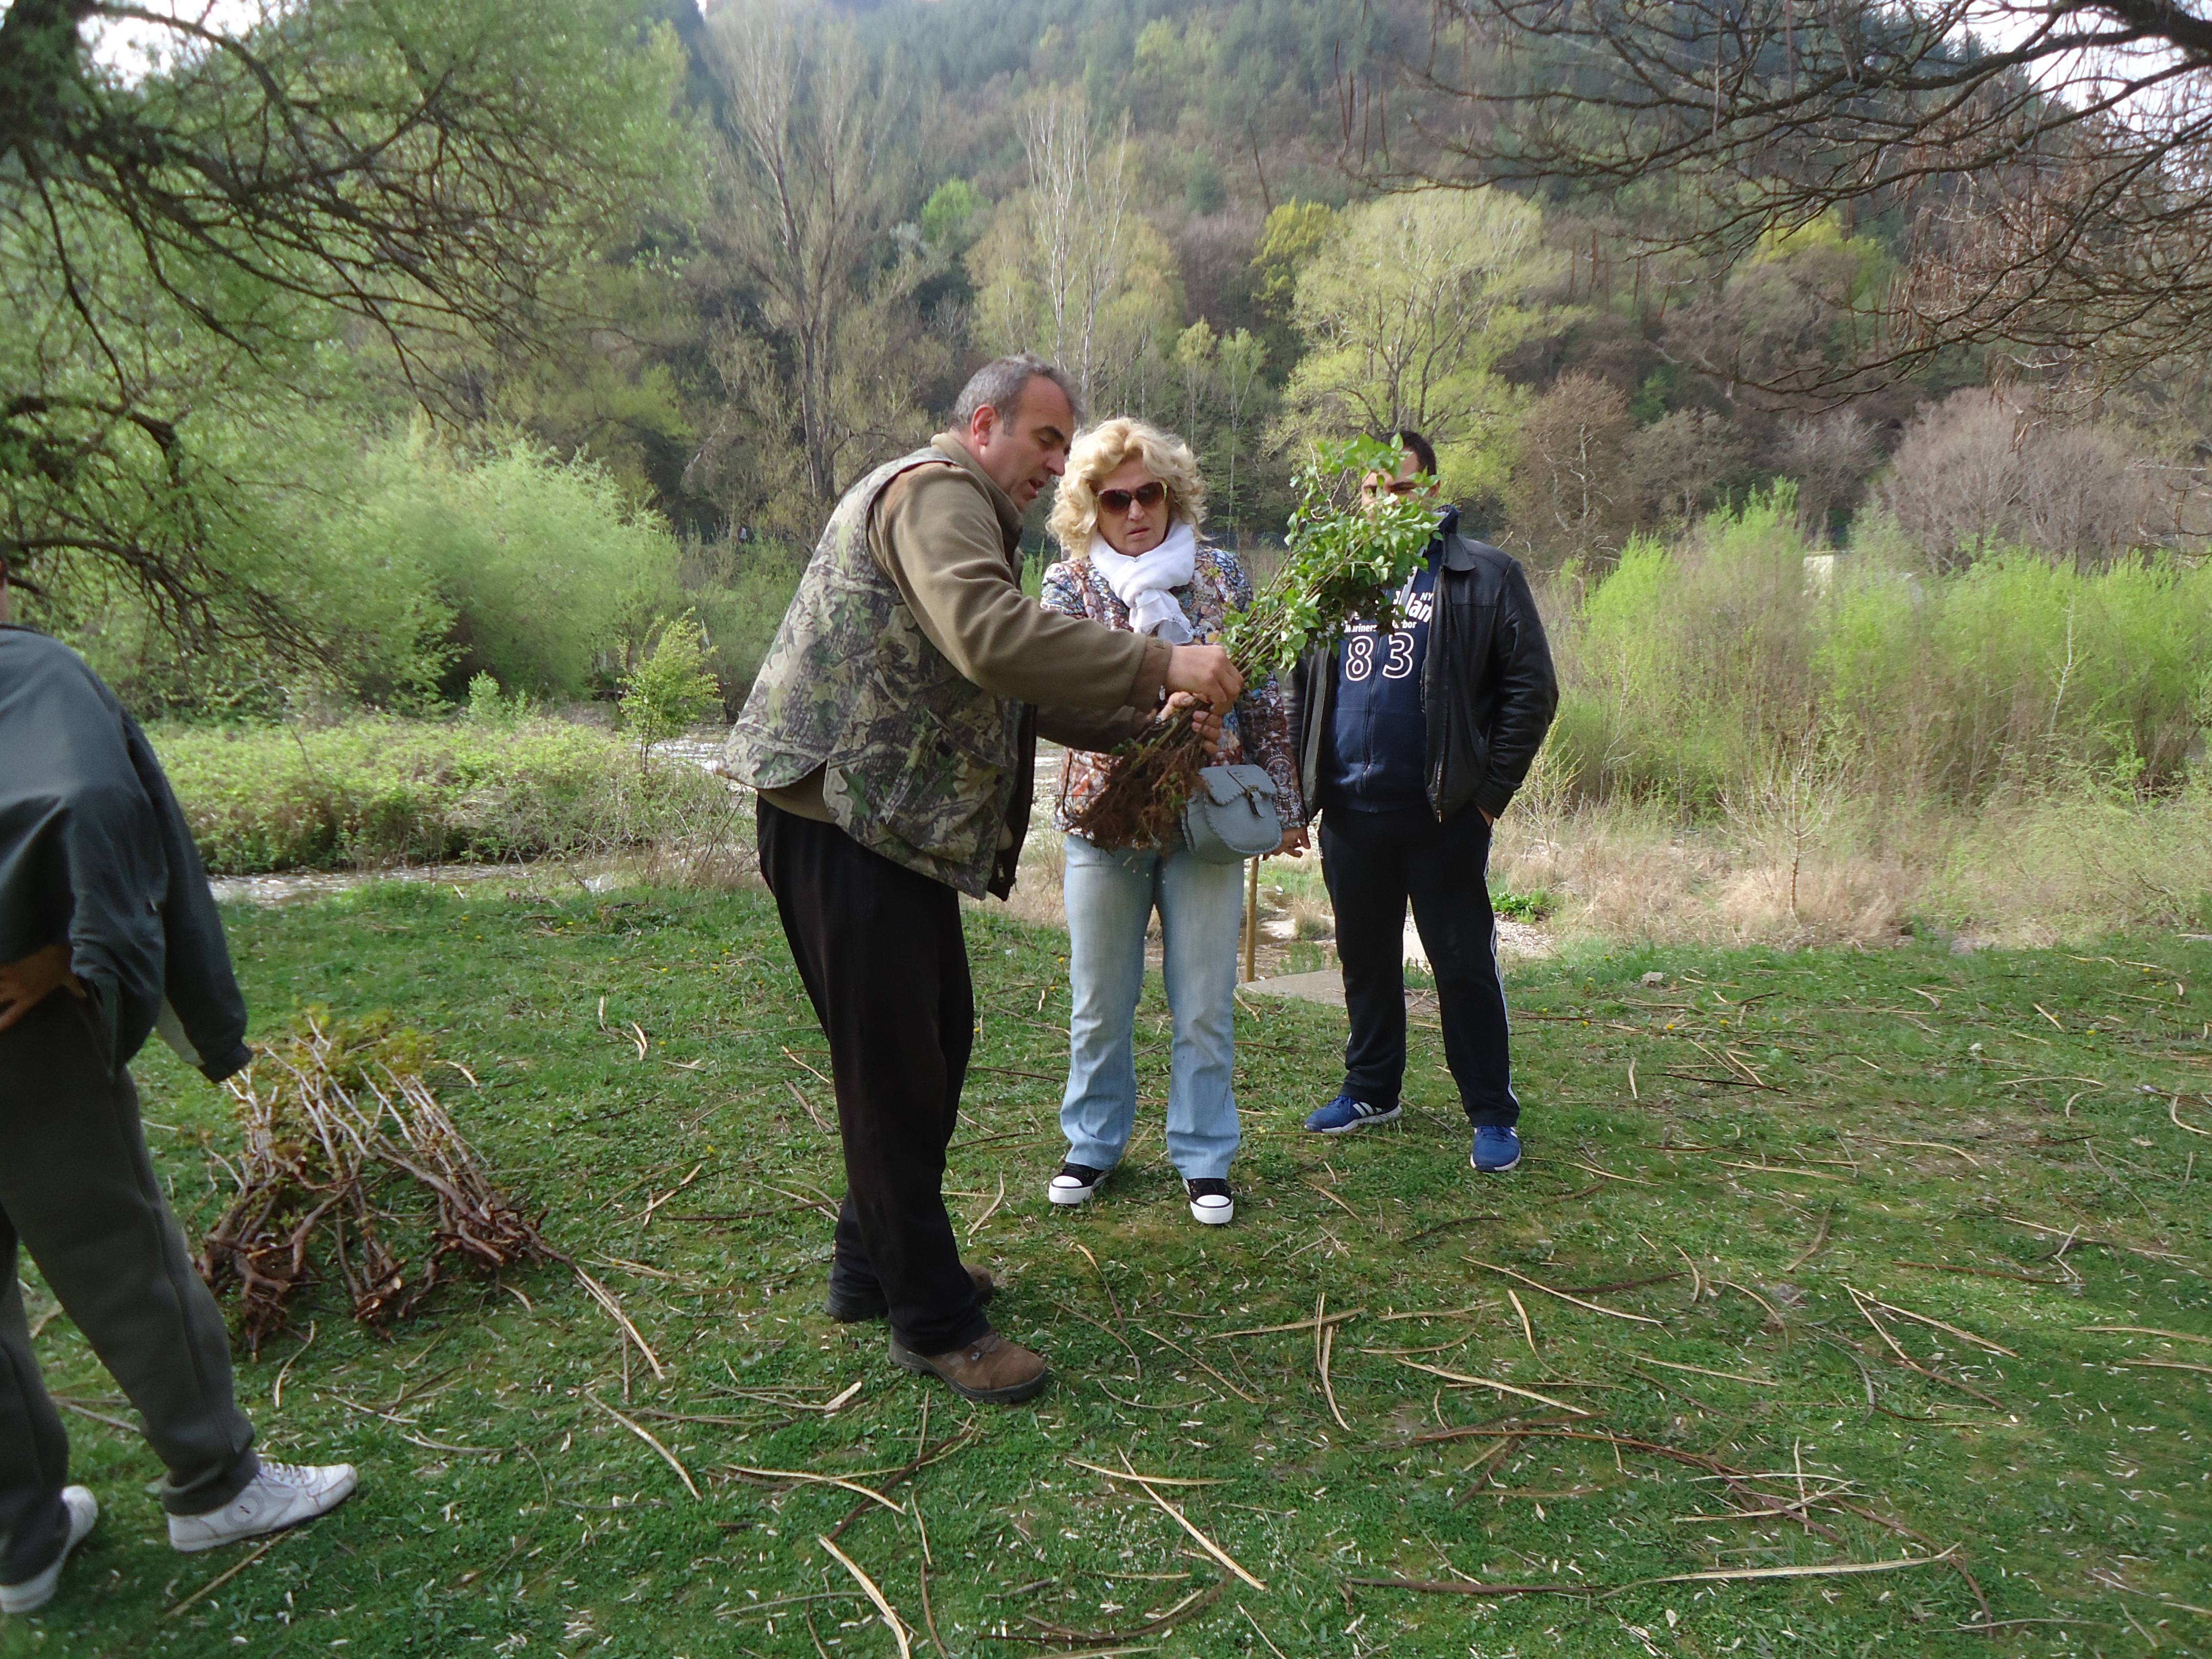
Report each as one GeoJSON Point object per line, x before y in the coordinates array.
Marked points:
{"type": "Point", "coordinates": [811, 174]}
{"type": "Point", "coordinates": [2054, 161]}
{"type": "Point", "coordinates": [1830, 456]}
{"type": "Point", "coordinates": [1684, 462]}
{"type": "Point", "coordinates": [1079, 219]}
{"type": "Point", "coordinates": [1985, 469]}
{"type": "Point", "coordinates": [1568, 493]}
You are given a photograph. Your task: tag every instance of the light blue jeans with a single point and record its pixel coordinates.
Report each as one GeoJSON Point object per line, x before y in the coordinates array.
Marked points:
{"type": "Point", "coordinates": [1110, 898]}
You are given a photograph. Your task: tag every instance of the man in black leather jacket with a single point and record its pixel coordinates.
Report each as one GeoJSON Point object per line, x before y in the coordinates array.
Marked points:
{"type": "Point", "coordinates": [1412, 743]}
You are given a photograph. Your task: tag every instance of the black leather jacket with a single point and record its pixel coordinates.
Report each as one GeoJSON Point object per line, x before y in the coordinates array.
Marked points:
{"type": "Point", "coordinates": [1487, 685]}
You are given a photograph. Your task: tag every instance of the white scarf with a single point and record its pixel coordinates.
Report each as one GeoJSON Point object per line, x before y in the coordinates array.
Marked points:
{"type": "Point", "coordinates": [1142, 583]}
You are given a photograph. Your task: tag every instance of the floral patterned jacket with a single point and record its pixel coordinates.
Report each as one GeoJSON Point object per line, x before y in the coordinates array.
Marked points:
{"type": "Point", "coordinates": [1258, 728]}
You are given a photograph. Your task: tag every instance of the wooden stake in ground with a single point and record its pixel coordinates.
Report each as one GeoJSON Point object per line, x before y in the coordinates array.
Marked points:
{"type": "Point", "coordinates": [1251, 916]}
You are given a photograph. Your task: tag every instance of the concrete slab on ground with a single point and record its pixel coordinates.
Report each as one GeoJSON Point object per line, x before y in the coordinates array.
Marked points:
{"type": "Point", "coordinates": [1327, 986]}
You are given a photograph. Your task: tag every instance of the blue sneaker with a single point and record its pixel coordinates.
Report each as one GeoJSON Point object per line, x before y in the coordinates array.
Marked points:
{"type": "Point", "coordinates": [1343, 1115]}
{"type": "Point", "coordinates": [1497, 1149]}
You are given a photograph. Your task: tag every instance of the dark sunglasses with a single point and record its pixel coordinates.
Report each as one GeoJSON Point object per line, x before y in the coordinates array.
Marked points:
{"type": "Point", "coordinates": [1118, 501]}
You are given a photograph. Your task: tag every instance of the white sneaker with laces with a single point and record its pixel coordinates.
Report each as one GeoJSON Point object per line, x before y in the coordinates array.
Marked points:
{"type": "Point", "coordinates": [34, 1593]}
{"type": "Point", "coordinates": [283, 1495]}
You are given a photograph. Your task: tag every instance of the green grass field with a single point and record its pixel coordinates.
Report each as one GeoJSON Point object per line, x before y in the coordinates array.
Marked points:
{"type": "Point", "coordinates": [1835, 1229]}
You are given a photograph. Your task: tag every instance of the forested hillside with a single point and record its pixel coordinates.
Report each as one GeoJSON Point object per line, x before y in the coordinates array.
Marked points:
{"type": "Point", "coordinates": [755, 250]}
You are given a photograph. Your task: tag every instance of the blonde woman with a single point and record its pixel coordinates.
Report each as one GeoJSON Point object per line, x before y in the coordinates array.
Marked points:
{"type": "Point", "coordinates": [1128, 518]}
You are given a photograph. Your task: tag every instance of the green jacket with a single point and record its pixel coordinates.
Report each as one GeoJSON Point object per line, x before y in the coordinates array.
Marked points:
{"type": "Point", "coordinates": [95, 851]}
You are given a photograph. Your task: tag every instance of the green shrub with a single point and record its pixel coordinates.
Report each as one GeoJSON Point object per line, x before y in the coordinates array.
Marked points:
{"type": "Point", "coordinates": [1523, 906]}
{"type": "Point", "coordinates": [379, 791]}
{"type": "Point", "coordinates": [543, 565]}
{"type": "Point", "coordinates": [670, 691]}
{"type": "Point", "coordinates": [1690, 668]}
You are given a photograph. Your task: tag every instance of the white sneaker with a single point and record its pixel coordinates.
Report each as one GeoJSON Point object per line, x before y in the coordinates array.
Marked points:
{"type": "Point", "coordinates": [283, 1495]}
{"type": "Point", "coordinates": [1210, 1201]}
{"type": "Point", "coordinates": [1074, 1184]}
{"type": "Point", "coordinates": [34, 1593]}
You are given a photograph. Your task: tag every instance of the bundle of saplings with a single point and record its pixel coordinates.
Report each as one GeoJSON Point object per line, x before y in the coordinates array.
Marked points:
{"type": "Point", "coordinates": [352, 1172]}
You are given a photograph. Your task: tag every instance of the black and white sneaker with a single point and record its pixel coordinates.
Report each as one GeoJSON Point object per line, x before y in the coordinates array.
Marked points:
{"type": "Point", "coordinates": [1210, 1201]}
{"type": "Point", "coordinates": [1075, 1183]}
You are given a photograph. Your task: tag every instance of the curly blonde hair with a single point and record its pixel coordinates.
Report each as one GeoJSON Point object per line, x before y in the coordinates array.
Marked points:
{"type": "Point", "coordinates": [1096, 455]}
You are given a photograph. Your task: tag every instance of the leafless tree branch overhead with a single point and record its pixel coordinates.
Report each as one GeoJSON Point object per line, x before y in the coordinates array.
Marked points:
{"type": "Point", "coordinates": [2042, 171]}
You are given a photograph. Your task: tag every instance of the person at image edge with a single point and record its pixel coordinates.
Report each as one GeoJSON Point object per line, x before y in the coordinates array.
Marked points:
{"type": "Point", "coordinates": [108, 932]}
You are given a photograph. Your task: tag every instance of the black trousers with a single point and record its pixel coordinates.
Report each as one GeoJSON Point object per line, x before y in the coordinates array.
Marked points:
{"type": "Point", "coordinates": [1374, 863]}
{"type": "Point", "coordinates": [77, 1190]}
{"type": "Point", "coordinates": [880, 949]}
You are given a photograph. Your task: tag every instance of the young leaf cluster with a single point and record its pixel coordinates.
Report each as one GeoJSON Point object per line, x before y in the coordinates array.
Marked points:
{"type": "Point", "coordinates": [1347, 559]}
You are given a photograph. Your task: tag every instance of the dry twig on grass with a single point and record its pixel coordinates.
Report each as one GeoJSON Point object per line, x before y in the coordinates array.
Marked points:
{"type": "Point", "coordinates": [1248, 1399]}
{"type": "Point", "coordinates": [1448, 1226]}
{"type": "Point", "coordinates": [1295, 1325]}
{"type": "Point", "coordinates": [1182, 1520]}
{"type": "Point", "coordinates": [2145, 1330]}
{"type": "Point", "coordinates": [1937, 1324]}
{"type": "Point", "coordinates": [882, 1605]}
{"type": "Point", "coordinates": [1183, 1610]}
{"type": "Point", "coordinates": [1485, 1468]}
{"type": "Point", "coordinates": [225, 1576]}
{"type": "Point", "coordinates": [922, 1460]}
{"type": "Point", "coordinates": [348, 1154]}
{"type": "Point", "coordinates": [667, 1456]}
{"type": "Point", "coordinates": [809, 1478]}
{"type": "Point", "coordinates": [1457, 1586]}
{"type": "Point", "coordinates": [1907, 1360]}
{"type": "Point", "coordinates": [1527, 1328]}
{"type": "Point", "coordinates": [1610, 1313]}
{"type": "Point", "coordinates": [1462, 1378]}
{"type": "Point", "coordinates": [1814, 1249]}
{"type": "Point", "coordinates": [606, 1297]}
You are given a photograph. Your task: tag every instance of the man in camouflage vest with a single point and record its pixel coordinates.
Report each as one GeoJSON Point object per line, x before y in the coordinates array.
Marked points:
{"type": "Point", "coordinates": [891, 737]}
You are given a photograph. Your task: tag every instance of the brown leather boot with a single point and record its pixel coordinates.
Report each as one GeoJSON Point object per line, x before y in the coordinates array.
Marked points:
{"type": "Point", "coordinates": [989, 1369]}
{"type": "Point", "coordinates": [850, 1306]}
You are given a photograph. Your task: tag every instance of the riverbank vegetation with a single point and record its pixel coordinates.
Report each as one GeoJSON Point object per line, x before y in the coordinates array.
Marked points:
{"type": "Point", "coordinates": [375, 791]}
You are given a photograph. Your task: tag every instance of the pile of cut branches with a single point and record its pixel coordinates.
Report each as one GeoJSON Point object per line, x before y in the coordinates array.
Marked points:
{"type": "Point", "coordinates": [352, 1168]}
{"type": "Point", "coordinates": [1347, 560]}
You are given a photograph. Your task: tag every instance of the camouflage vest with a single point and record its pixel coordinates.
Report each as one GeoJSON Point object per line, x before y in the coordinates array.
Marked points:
{"type": "Point", "coordinates": [920, 763]}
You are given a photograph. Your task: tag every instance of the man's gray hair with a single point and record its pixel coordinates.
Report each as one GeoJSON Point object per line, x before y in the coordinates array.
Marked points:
{"type": "Point", "coordinates": [1000, 384]}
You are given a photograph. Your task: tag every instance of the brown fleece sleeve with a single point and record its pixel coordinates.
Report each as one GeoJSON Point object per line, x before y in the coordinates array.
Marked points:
{"type": "Point", "coordinates": [936, 536]}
